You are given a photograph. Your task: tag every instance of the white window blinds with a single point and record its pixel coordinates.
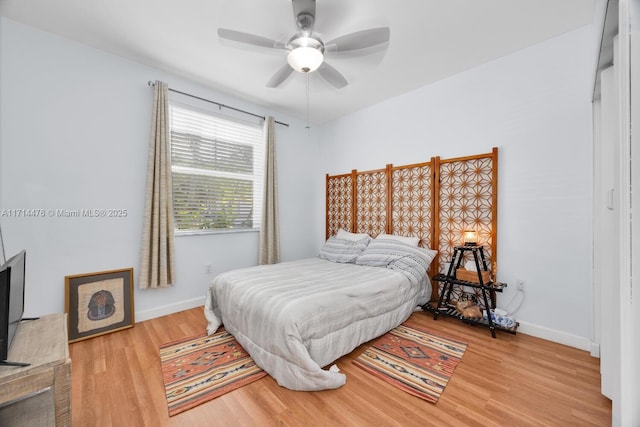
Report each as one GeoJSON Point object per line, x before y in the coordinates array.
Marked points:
{"type": "Point", "coordinates": [217, 169]}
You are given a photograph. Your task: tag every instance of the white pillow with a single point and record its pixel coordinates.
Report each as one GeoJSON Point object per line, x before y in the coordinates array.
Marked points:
{"type": "Point", "coordinates": [397, 255]}
{"type": "Point", "coordinates": [354, 237]}
{"type": "Point", "coordinates": [412, 241]}
{"type": "Point", "coordinates": [342, 250]}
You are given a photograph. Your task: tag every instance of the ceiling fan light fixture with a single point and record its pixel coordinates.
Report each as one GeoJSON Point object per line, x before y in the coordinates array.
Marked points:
{"type": "Point", "coordinates": [307, 53]}
{"type": "Point", "coordinates": [305, 59]}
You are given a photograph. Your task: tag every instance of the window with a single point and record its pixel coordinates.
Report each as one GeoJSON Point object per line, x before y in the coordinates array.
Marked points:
{"type": "Point", "coordinates": [217, 171]}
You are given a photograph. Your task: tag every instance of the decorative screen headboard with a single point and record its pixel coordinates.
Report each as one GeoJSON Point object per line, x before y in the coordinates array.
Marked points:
{"type": "Point", "coordinates": [435, 201]}
{"type": "Point", "coordinates": [340, 196]}
{"type": "Point", "coordinates": [371, 202]}
{"type": "Point", "coordinates": [412, 201]}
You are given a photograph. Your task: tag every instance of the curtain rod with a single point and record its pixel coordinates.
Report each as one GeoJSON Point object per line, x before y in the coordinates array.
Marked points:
{"type": "Point", "coordinates": [150, 83]}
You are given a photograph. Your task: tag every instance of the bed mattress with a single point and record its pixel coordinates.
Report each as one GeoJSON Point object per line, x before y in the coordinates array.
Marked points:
{"type": "Point", "coordinates": [295, 318]}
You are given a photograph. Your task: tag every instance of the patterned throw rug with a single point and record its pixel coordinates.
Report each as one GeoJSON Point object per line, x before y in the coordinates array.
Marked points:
{"type": "Point", "coordinates": [198, 369]}
{"type": "Point", "coordinates": [413, 360]}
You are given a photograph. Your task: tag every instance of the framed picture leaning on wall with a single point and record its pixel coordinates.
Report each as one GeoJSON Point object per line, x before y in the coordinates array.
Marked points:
{"type": "Point", "coordinates": [99, 303]}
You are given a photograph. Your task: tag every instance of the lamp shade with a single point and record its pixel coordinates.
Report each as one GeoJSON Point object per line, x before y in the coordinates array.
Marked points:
{"type": "Point", "coordinates": [470, 237]}
{"type": "Point", "coordinates": [305, 59]}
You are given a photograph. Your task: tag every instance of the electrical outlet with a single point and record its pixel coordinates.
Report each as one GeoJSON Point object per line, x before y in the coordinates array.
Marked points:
{"type": "Point", "coordinates": [208, 269]}
{"type": "Point", "coordinates": [521, 285]}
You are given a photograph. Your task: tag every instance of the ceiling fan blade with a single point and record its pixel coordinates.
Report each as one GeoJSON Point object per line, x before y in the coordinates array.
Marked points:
{"type": "Point", "coordinates": [333, 76]}
{"type": "Point", "coordinates": [360, 39]}
{"type": "Point", "coordinates": [252, 39]}
{"type": "Point", "coordinates": [280, 76]}
{"type": "Point", "coordinates": [304, 13]}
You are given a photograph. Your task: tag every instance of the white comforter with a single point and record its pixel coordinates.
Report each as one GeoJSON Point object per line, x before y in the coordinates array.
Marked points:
{"type": "Point", "coordinates": [296, 317]}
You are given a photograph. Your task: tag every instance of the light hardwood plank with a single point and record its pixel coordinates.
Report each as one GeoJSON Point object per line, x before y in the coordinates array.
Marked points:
{"type": "Point", "coordinates": [511, 380]}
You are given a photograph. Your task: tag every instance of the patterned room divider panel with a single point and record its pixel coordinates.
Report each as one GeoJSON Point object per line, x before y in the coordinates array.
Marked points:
{"type": "Point", "coordinates": [371, 202]}
{"type": "Point", "coordinates": [435, 201]}
{"type": "Point", "coordinates": [412, 202]}
{"type": "Point", "coordinates": [339, 203]}
{"type": "Point", "coordinates": [467, 200]}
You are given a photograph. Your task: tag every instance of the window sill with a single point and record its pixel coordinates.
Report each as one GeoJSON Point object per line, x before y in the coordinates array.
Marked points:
{"type": "Point", "coordinates": [182, 233]}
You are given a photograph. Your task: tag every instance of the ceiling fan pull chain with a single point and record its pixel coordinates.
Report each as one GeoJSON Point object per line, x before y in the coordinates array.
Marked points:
{"type": "Point", "coordinates": [307, 127]}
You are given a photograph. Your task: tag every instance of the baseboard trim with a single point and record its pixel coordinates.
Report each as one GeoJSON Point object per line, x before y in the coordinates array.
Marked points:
{"type": "Point", "coordinates": [555, 336]}
{"type": "Point", "coordinates": [169, 309]}
{"type": "Point", "coordinates": [595, 349]}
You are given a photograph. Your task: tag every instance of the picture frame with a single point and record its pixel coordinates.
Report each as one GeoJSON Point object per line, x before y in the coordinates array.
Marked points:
{"type": "Point", "coordinates": [99, 303]}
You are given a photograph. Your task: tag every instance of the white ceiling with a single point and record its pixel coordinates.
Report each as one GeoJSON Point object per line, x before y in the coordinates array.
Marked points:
{"type": "Point", "coordinates": [430, 40]}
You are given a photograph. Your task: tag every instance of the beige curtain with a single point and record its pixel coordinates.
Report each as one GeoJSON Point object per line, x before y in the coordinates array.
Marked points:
{"type": "Point", "coordinates": [157, 264]}
{"type": "Point", "coordinates": [269, 232]}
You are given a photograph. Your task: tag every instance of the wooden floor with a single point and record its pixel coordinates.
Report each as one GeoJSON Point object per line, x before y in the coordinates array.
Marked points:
{"type": "Point", "coordinates": [513, 380]}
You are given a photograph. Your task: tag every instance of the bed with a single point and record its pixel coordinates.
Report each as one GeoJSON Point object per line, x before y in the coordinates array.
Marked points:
{"type": "Point", "coordinates": [295, 318]}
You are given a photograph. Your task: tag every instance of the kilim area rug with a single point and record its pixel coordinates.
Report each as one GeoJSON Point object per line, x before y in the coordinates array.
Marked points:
{"type": "Point", "coordinates": [198, 369]}
{"type": "Point", "coordinates": [413, 360]}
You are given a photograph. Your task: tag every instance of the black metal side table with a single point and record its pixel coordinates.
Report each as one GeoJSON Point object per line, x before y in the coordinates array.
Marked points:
{"type": "Point", "coordinates": [487, 290]}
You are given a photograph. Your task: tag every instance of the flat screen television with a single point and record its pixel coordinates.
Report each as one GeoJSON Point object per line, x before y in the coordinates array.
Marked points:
{"type": "Point", "coordinates": [12, 280]}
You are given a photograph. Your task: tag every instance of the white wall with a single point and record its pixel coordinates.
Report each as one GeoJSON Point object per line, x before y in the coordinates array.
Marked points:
{"type": "Point", "coordinates": [535, 106]}
{"type": "Point", "coordinates": [74, 134]}
{"type": "Point", "coordinates": [75, 131]}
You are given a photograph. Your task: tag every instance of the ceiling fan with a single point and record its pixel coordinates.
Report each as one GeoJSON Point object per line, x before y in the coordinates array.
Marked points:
{"type": "Point", "coordinates": [306, 50]}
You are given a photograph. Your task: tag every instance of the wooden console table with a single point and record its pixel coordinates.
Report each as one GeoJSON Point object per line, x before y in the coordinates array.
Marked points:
{"type": "Point", "coordinates": [38, 394]}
